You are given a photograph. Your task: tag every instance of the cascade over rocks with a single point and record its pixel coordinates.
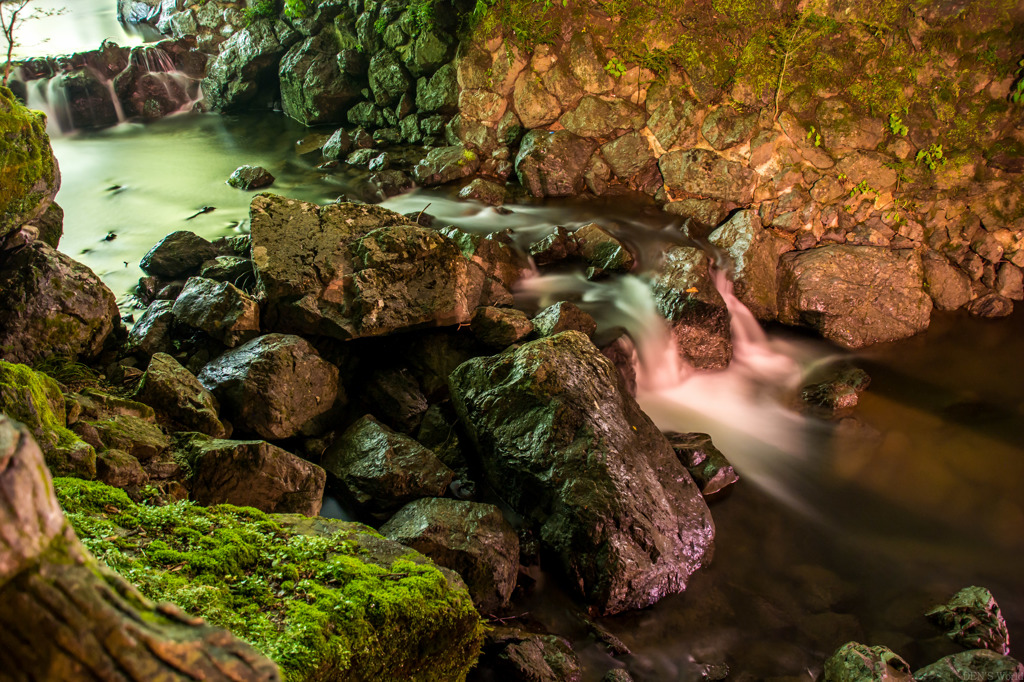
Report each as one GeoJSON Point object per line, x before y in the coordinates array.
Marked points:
{"type": "Point", "coordinates": [276, 386]}
{"type": "Point", "coordinates": [557, 434]}
{"type": "Point", "coordinates": [53, 305]}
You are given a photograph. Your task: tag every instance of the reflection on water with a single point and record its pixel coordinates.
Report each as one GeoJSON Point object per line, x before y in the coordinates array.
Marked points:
{"type": "Point", "coordinates": [835, 532]}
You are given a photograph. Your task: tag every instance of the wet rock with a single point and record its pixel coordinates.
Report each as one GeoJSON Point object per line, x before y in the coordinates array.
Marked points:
{"type": "Point", "coordinates": [52, 306]}
{"type": "Point", "coordinates": [754, 254]}
{"type": "Point", "coordinates": [472, 539]}
{"type": "Point", "coordinates": [177, 395]}
{"type": "Point", "coordinates": [388, 78]}
{"type": "Point", "coordinates": [382, 470]}
{"type": "Point", "coordinates": [621, 675]}
{"type": "Point", "coordinates": [339, 144]}
{"type": "Point", "coordinates": [395, 395]}
{"type": "Point", "coordinates": [948, 285]}
{"type": "Point", "coordinates": [726, 127]}
{"type": "Point", "coordinates": [314, 90]}
{"type": "Point", "coordinates": [90, 102]}
{"type": "Point", "coordinates": [50, 224]}
{"type": "Point", "coordinates": [523, 656]}
{"type": "Point", "coordinates": [247, 63]}
{"type": "Point", "coordinates": [250, 178]}
{"type": "Point", "coordinates": [254, 473]}
{"type": "Point", "coordinates": [31, 177]}
{"type": "Point", "coordinates": [855, 662]}
{"type": "Point", "coordinates": [696, 312]}
{"type": "Point", "coordinates": [348, 270]}
{"type": "Point", "coordinates": [602, 252]}
{"type": "Point", "coordinates": [484, 191]}
{"type": "Point", "coordinates": [551, 164]}
{"type": "Point", "coordinates": [498, 328]}
{"type": "Point", "coordinates": [979, 664]}
{"type": "Point", "coordinates": [557, 433]}
{"type": "Point", "coordinates": [152, 332]}
{"type": "Point", "coordinates": [600, 118]}
{"type": "Point", "coordinates": [533, 104]}
{"type": "Point", "coordinates": [1010, 282]}
{"type": "Point", "coordinates": [674, 121]}
{"type": "Point", "coordinates": [838, 392]}
{"type": "Point", "coordinates": [276, 386]}
{"type": "Point", "coordinates": [179, 253]}
{"type": "Point", "coordinates": [557, 246]}
{"type": "Point", "coordinates": [92, 404]}
{"type": "Point", "coordinates": [361, 157]}
{"type": "Point", "coordinates": [220, 309]}
{"type": "Point", "coordinates": [973, 620]}
{"type": "Point", "coordinates": [562, 317]}
{"type": "Point", "coordinates": [445, 164]}
{"type": "Point", "coordinates": [234, 269]}
{"type": "Point", "coordinates": [431, 49]}
{"type": "Point", "coordinates": [119, 469]}
{"type": "Point", "coordinates": [706, 463]}
{"type": "Point", "coordinates": [35, 400]}
{"type": "Point", "coordinates": [622, 353]}
{"type": "Point", "coordinates": [439, 93]}
{"type": "Point", "coordinates": [630, 156]}
{"type": "Point", "coordinates": [706, 174]}
{"type": "Point", "coordinates": [434, 355]}
{"type": "Point", "coordinates": [587, 62]}
{"type": "Point", "coordinates": [139, 437]}
{"type": "Point", "coordinates": [990, 305]}
{"type": "Point", "coordinates": [854, 295]}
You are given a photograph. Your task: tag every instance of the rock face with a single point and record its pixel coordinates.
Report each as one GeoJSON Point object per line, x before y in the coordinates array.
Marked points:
{"type": "Point", "coordinates": [254, 473]}
{"type": "Point", "coordinates": [30, 179]}
{"type": "Point", "coordinates": [276, 386]}
{"type": "Point", "coordinates": [687, 297]}
{"type": "Point", "coordinates": [854, 295]}
{"type": "Point", "coordinates": [973, 620]}
{"type": "Point", "coordinates": [569, 449]}
{"type": "Point", "coordinates": [382, 470]}
{"type": "Point", "coordinates": [704, 173]}
{"type": "Point", "coordinates": [349, 270]}
{"type": "Point", "coordinates": [53, 305]}
{"type": "Point", "coordinates": [472, 539]}
{"type": "Point", "coordinates": [177, 395]}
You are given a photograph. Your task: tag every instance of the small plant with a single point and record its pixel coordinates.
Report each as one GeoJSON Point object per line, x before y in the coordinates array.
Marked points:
{"type": "Point", "coordinates": [260, 9]}
{"type": "Point", "coordinates": [380, 25]}
{"type": "Point", "coordinates": [896, 125]}
{"type": "Point", "coordinates": [296, 9]}
{"type": "Point", "coordinates": [814, 137]}
{"type": "Point", "coordinates": [862, 187]}
{"type": "Point", "coordinates": [615, 67]}
{"type": "Point", "coordinates": [931, 157]}
{"type": "Point", "coordinates": [1017, 93]}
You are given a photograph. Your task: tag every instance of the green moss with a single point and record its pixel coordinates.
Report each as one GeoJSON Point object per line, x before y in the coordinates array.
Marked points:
{"type": "Point", "coordinates": [313, 604]}
{"type": "Point", "coordinates": [27, 169]}
{"type": "Point", "coordinates": [36, 400]}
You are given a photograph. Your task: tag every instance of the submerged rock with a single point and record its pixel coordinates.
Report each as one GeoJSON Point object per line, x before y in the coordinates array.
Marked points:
{"type": "Point", "coordinates": [251, 177]}
{"type": "Point", "coordinates": [523, 656]}
{"type": "Point", "coordinates": [840, 391]}
{"type": "Point", "coordinates": [567, 447]}
{"type": "Point", "coordinates": [381, 470]}
{"type": "Point", "coordinates": [52, 306]}
{"type": "Point", "coordinates": [276, 386]}
{"type": "Point", "coordinates": [853, 662]}
{"type": "Point", "coordinates": [562, 317]}
{"type": "Point", "coordinates": [973, 620]}
{"type": "Point", "coordinates": [686, 295]}
{"type": "Point", "coordinates": [706, 463]}
{"type": "Point", "coordinates": [472, 539]}
{"type": "Point", "coordinates": [854, 295]}
{"type": "Point", "coordinates": [254, 473]}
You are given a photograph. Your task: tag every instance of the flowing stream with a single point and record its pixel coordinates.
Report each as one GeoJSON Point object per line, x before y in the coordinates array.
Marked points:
{"type": "Point", "coordinates": [837, 530]}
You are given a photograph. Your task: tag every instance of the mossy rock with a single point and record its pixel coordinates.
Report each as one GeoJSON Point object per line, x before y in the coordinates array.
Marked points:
{"type": "Point", "coordinates": [36, 400]}
{"type": "Point", "coordinates": [29, 178]}
{"type": "Point", "coordinates": [327, 600]}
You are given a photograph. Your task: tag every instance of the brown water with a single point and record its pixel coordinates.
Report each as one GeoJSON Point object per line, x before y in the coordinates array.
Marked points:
{"type": "Point", "coordinates": [834, 533]}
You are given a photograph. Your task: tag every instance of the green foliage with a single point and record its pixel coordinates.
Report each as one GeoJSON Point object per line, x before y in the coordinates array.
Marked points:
{"type": "Point", "coordinates": [67, 371]}
{"type": "Point", "coordinates": [296, 9]}
{"type": "Point", "coordinates": [422, 12]}
{"type": "Point", "coordinates": [931, 157]}
{"type": "Point", "coordinates": [307, 601]}
{"type": "Point", "coordinates": [260, 9]}
{"type": "Point", "coordinates": [380, 25]}
{"type": "Point", "coordinates": [896, 125]}
{"type": "Point", "coordinates": [813, 136]}
{"type": "Point", "coordinates": [1017, 93]}
{"type": "Point", "coordinates": [615, 67]}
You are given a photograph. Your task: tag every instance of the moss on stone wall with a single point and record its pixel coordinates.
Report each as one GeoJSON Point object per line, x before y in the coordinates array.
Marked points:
{"type": "Point", "coordinates": [318, 606]}
{"type": "Point", "coordinates": [28, 173]}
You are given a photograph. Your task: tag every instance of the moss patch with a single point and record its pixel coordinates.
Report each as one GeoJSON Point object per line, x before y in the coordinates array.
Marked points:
{"type": "Point", "coordinates": [318, 606]}
{"type": "Point", "coordinates": [27, 170]}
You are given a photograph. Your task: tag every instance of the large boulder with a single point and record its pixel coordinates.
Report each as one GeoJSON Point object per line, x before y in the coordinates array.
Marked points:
{"type": "Point", "coordinates": [276, 386]}
{"type": "Point", "coordinates": [855, 662]}
{"type": "Point", "coordinates": [686, 295]}
{"type": "Point", "coordinates": [472, 539]}
{"type": "Point", "coordinates": [30, 177]}
{"type": "Point", "coordinates": [220, 309]}
{"type": "Point", "coordinates": [567, 447]}
{"type": "Point", "coordinates": [254, 473]}
{"type": "Point", "coordinates": [704, 173]}
{"type": "Point", "coordinates": [855, 295]}
{"type": "Point", "coordinates": [446, 164]}
{"type": "Point", "coordinates": [972, 619]}
{"type": "Point", "coordinates": [178, 397]}
{"type": "Point", "coordinates": [551, 164]}
{"type": "Point", "coordinates": [381, 470]}
{"type": "Point", "coordinates": [246, 64]}
{"type": "Point", "coordinates": [52, 305]}
{"type": "Point", "coordinates": [754, 255]}
{"type": "Point", "coordinates": [348, 271]}
{"type": "Point", "coordinates": [314, 90]}
{"type": "Point", "coordinates": [35, 400]}
{"type": "Point", "coordinates": [179, 253]}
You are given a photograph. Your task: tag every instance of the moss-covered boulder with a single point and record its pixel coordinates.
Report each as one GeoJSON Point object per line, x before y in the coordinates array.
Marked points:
{"type": "Point", "coordinates": [29, 178]}
{"type": "Point", "coordinates": [327, 600]}
{"type": "Point", "coordinates": [36, 400]}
